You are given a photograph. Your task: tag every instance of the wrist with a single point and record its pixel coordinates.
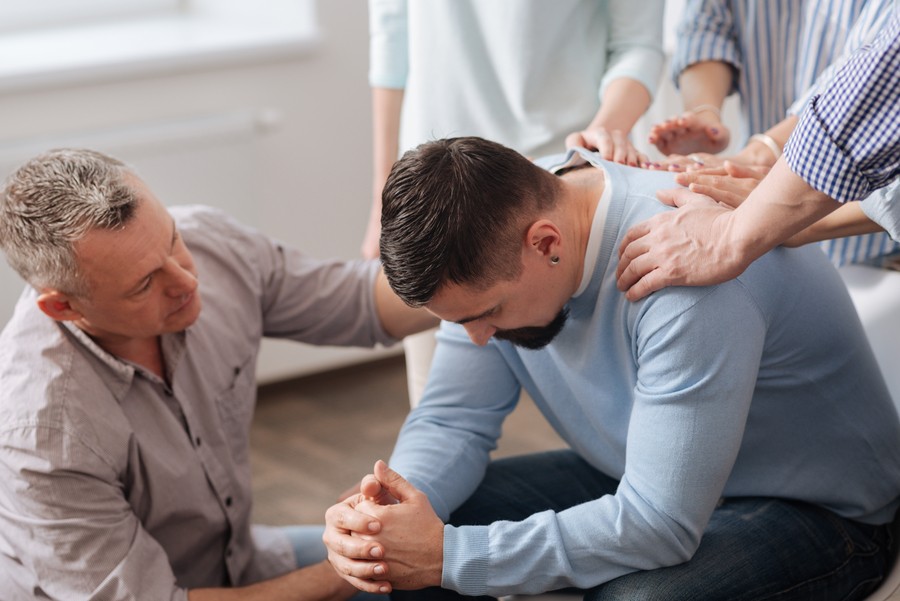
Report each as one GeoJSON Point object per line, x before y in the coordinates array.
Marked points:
{"type": "Point", "coordinates": [755, 153]}
{"type": "Point", "coordinates": [708, 114]}
{"type": "Point", "coordinates": [706, 108]}
{"type": "Point", "coordinates": [766, 150]}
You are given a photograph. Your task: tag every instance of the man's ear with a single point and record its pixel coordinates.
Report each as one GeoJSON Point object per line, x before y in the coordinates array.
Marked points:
{"type": "Point", "coordinates": [544, 237]}
{"type": "Point", "coordinates": [56, 305]}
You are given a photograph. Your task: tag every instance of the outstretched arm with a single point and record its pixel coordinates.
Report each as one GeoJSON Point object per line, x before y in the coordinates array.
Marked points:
{"type": "Point", "coordinates": [397, 318]}
{"type": "Point", "coordinates": [386, 108]}
{"type": "Point", "coordinates": [704, 87]}
{"type": "Point", "coordinates": [317, 582]}
{"type": "Point", "coordinates": [704, 243]}
{"type": "Point", "coordinates": [624, 101]}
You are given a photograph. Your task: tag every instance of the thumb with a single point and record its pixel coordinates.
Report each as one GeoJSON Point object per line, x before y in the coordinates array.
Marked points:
{"type": "Point", "coordinates": [393, 483]}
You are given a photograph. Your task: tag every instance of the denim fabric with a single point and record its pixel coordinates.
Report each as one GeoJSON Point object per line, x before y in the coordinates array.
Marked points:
{"type": "Point", "coordinates": [752, 549]}
{"type": "Point", "coordinates": [307, 543]}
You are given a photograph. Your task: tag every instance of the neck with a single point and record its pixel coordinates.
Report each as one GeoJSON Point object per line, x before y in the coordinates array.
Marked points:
{"type": "Point", "coordinates": [582, 189]}
{"type": "Point", "coordinates": [146, 352]}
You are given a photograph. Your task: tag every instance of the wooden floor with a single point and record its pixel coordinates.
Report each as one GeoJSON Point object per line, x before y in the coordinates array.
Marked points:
{"type": "Point", "coordinates": [314, 437]}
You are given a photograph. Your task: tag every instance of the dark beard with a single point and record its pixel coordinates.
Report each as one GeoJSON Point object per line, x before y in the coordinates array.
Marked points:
{"type": "Point", "coordinates": [535, 337]}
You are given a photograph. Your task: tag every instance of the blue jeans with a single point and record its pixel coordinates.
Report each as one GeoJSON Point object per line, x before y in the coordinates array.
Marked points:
{"type": "Point", "coordinates": [752, 549]}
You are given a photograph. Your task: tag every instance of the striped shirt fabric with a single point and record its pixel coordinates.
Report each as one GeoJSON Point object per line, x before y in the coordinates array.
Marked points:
{"type": "Point", "coordinates": [871, 21]}
{"type": "Point", "coordinates": [780, 50]}
{"type": "Point", "coordinates": [847, 143]}
{"type": "Point", "coordinates": [777, 48]}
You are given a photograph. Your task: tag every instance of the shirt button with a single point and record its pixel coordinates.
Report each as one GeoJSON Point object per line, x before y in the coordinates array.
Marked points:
{"type": "Point", "coordinates": [198, 441]}
{"type": "Point", "coordinates": [227, 501]}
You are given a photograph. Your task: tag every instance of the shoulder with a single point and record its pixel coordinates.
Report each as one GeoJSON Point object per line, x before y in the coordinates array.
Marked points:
{"type": "Point", "coordinates": [201, 221]}
{"type": "Point", "coordinates": [227, 253]}
{"type": "Point", "coordinates": [53, 402]}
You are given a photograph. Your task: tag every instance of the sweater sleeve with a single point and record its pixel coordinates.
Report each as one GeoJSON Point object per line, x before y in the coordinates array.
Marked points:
{"type": "Point", "coordinates": [706, 33]}
{"type": "Point", "coordinates": [470, 392]}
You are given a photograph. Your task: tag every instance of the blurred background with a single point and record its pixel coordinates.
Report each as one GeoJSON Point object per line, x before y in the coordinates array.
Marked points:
{"type": "Point", "coordinates": [260, 108]}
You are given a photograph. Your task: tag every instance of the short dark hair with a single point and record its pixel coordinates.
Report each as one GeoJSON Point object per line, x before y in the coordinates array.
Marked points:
{"type": "Point", "coordinates": [456, 210]}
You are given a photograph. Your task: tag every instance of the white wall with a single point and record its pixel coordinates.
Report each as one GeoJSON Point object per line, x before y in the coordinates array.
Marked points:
{"type": "Point", "coordinates": [288, 149]}
{"type": "Point", "coordinates": [304, 178]}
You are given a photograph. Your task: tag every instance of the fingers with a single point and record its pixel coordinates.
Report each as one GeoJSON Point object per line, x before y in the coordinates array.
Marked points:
{"type": "Point", "coordinates": [632, 246]}
{"type": "Point", "coordinates": [365, 575]}
{"type": "Point", "coordinates": [634, 267]}
{"type": "Point", "coordinates": [704, 178]}
{"type": "Point", "coordinates": [678, 197]}
{"type": "Point", "coordinates": [647, 284]}
{"type": "Point", "coordinates": [622, 150]}
{"type": "Point", "coordinates": [343, 517]}
{"type": "Point", "coordinates": [722, 187]}
{"type": "Point", "coordinates": [601, 140]}
{"type": "Point", "coordinates": [719, 195]}
{"type": "Point", "coordinates": [745, 171]}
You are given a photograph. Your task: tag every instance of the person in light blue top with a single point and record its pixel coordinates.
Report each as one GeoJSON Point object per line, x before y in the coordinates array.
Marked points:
{"type": "Point", "coordinates": [729, 442]}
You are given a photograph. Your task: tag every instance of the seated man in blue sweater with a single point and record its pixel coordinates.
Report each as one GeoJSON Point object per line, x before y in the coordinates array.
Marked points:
{"type": "Point", "coordinates": [728, 442]}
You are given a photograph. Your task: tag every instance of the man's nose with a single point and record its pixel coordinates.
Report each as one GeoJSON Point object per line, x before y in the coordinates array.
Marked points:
{"type": "Point", "coordinates": [181, 280]}
{"type": "Point", "coordinates": [479, 333]}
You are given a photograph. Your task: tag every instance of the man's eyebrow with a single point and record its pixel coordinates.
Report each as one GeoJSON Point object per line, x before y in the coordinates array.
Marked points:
{"type": "Point", "coordinates": [466, 320]}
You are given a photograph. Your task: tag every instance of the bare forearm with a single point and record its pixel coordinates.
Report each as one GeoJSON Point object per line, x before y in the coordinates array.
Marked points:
{"type": "Point", "coordinates": [397, 318]}
{"type": "Point", "coordinates": [848, 220]}
{"type": "Point", "coordinates": [780, 207]}
{"type": "Point", "coordinates": [318, 582]}
{"type": "Point", "coordinates": [705, 83]}
{"type": "Point", "coordinates": [386, 107]}
{"type": "Point", "coordinates": [623, 103]}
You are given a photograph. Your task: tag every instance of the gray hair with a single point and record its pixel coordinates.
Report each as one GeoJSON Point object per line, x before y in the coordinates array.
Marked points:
{"type": "Point", "coordinates": [54, 200]}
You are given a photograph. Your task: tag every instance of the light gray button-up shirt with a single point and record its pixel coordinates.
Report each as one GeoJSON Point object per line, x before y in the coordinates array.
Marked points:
{"type": "Point", "coordinates": [116, 485]}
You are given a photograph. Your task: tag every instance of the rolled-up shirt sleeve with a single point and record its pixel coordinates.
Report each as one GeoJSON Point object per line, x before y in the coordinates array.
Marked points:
{"type": "Point", "coordinates": [635, 44]}
{"type": "Point", "coordinates": [66, 516]}
{"type": "Point", "coordinates": [388, 44]}
{"type": "Point", "coordinates": [706, 33]}
{"type": "Point", "coordinates": [847, 143]}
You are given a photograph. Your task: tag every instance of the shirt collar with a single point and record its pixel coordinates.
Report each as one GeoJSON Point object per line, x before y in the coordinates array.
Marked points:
{"type": "Point", "coordinates": [576, 157]}
{"type": "Point", "coordinates": [119, 374]}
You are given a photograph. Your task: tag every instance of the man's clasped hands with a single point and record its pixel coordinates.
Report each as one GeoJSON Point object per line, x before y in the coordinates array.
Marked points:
{"type": "Point", "coordinates": [386, 536]}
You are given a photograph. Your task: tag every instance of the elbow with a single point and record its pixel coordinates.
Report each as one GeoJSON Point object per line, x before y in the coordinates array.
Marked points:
{"type": "Point", "coordinates": [676, 544]}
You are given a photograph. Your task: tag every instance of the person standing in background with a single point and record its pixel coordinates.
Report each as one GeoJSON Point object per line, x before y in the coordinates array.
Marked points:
{"type": "Point", "coordinates": [848, 235]}
{"type": "Point", "coordinates": [773, 54]}
{"type": "Point", "coordinates": [846, 146]}
{"type": "Point", "coordinates": [535, 76]}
